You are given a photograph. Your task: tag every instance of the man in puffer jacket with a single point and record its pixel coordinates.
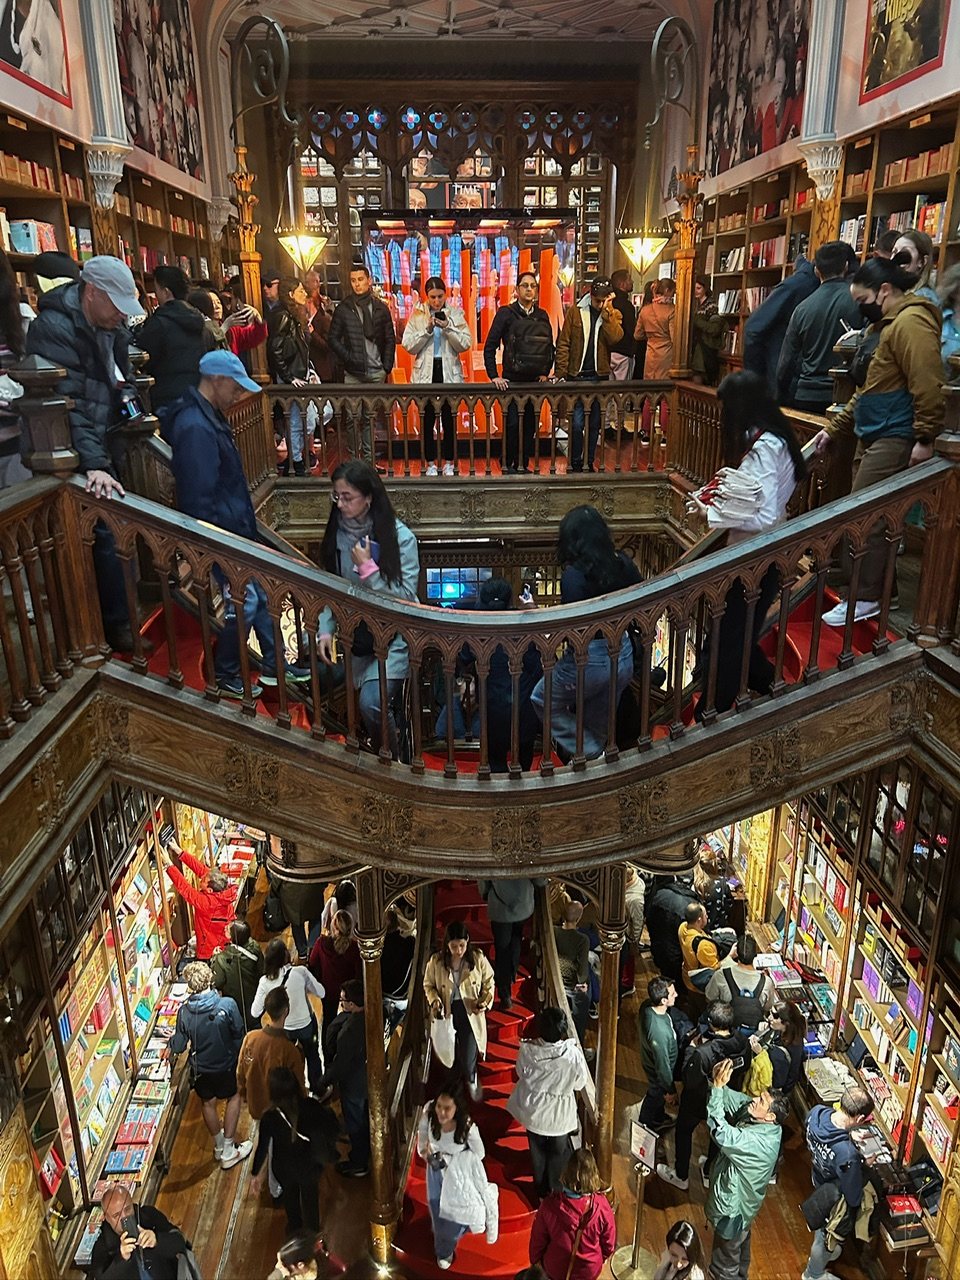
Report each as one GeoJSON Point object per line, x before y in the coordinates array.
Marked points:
{"type": "Point", "coordinates": [211, 1027]}
{"type": "Point", "coordinates": [363, 339]}
{"type": "Point", "coordinates": [747, 1132]}
{"type": "Point", "coordinates": [550, 1070]}
{"type": "Point", "coordinates": [82, 327]}
{"type": "Point", "coordinates": [174, 337]}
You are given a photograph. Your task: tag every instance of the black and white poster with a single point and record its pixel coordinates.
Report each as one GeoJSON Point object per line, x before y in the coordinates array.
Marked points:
{"type": "Point", "coordinates": [158, 78]}
{"type": "Point", "coordinates": [33, 45]}
{"type": "Point", "coordinates": [758, 67]}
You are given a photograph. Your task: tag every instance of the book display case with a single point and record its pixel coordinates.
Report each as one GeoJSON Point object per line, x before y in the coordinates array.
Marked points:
{"type": "Point", "coordinates": [90, 971]}
{"type": "Point", "coordinates": [159, 225]}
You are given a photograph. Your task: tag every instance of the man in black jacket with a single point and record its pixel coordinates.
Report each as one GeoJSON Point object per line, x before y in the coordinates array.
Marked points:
{"type": "Point", "coordinates": [623, 353]}
{"type": "Point", "coordinates": [174, 337]}
{"type": "Point", "coordinates": [118, 1255]}
{"type": "Point", "coordinates": [665, 908]}
{"type": "Point", "coordinates": [363, 339]}
{"type": "Point", "coordinates": [803, 371]}
{"type": "Point", "coordinates": [348, 1040]}
{"type": "Point", "coordinates": [288, 358]}
{"type": "Point", "coordinates": [82, 327]}
{"type": "Point", "coordinates": [535, 324]}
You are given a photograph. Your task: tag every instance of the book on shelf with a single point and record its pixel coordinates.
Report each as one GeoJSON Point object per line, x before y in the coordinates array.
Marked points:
{"type": "Point", "coordinates": [947, 1094]}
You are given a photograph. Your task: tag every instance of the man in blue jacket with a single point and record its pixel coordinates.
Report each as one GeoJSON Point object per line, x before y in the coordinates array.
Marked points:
{"type": "Point", "coordinates": [766, 327]}
{"type": "Point", "coordinates": [211, 486]}
{"type": "Point", "coordinates": [835, 1158]}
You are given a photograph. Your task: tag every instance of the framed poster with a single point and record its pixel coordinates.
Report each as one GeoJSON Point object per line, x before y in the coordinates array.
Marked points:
{"type": "Point", "coordinates": [904, 40]}
{"type": "Point", "coordinates": [33, 46]}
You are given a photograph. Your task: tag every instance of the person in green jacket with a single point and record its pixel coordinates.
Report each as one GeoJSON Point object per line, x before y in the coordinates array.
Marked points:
{"type": "Point", "coordinates": [237, 970]}
{"type": "Point", "coordinates": [658, 1052]}
{"type": "Point", "coordinates": [747, 1133]}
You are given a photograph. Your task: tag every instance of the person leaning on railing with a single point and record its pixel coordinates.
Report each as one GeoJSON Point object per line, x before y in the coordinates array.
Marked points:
{"type": "Point", "coordinates": [896, 415]}
{"type": "Point", "coordinates": [366, 544]}
{"type": "Point", "coordinates": [764, 466]}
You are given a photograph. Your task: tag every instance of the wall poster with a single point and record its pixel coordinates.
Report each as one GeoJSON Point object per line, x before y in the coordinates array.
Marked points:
{"type": "Point", "coordinates": [757, 78]}
{"type": "Point", "coordinates": [158, 79]}
{"type": "Point", "coordinates": [33, 45]}
{"type": "Point", "coordinates": [904, 39]}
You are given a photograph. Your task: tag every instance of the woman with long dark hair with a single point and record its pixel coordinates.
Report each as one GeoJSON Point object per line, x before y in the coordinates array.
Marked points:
{"type": "Point", "coordinates": [304, 1136]}
{"type": "Point", "coordinates": [898, 412]}
{"type": "Point", "coordinates": [301, 1023]}
{"type": "Point", "coordinates": [446, 1131]}
{"type": "Point", "coordinates": [334, 960]}
{"type": "Point", "coordinates": [763, 460]}
{"type": "Point", "coordinates": [458, 983]}
{"type": "Point", "coordinates": [789, 1029]}
{"type": "Point", "coordinates": [366, 544]}
{"type": "Point", "coordinates": [592, 567]}
{"type": "Point", "coordinates": [708, 330]}
{"type": "Point", "coordinates": [288, 356]}
{"type": "Point", "coordinates": [682, 1259]}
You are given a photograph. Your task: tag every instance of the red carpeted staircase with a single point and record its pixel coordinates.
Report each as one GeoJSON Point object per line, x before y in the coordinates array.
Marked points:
{"type": "Point", "coordinates": [507, 1158]}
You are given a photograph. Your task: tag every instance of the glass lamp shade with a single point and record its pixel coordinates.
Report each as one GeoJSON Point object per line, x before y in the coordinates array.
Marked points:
{"type": "Point", "coordinates": [643, 248]}
{"type": "Point", "coordinates": [304, 247]}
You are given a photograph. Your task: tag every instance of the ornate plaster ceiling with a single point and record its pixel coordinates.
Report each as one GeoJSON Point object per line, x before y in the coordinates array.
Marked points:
{"type": "Point", "coordinates": [573, 20]}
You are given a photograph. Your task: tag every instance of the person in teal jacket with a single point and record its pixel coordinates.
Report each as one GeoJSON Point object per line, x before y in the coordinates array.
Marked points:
{"type": "Point", "coordinates": [747, 1134]}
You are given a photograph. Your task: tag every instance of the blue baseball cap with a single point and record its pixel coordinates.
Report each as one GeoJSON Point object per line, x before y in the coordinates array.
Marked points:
{"type": "Point", "coordinates": [224, 364]}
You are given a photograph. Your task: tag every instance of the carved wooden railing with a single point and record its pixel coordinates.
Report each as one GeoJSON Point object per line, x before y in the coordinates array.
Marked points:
{"type": "Point", "coordinates": [684, 605]}
{"type": "Point", "coordinates": [479, 411]}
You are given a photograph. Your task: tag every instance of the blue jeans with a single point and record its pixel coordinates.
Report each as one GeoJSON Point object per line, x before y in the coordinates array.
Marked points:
{"type": "Point", "coordinates": [445, 1233]}
{"type": "Point", "coordinates": [653, 1110]}
{"type": "Point", "coordinates": [295, 419]}
{"type": "Point", "coordinates": [110, 580]}
{"type": "Point", "coordinates": [576, 451]}
{"type": "Point", "coordinates": [356, 1121]}
{"type": "Point", "coordinates": [579, 1010]}
{"type": "Point", "coordinates": [256, 618]}
{"type": "Point", "coordinates": [370, 712]}
{"type": "Point", "coordinates": [821, 1256]}
{"type": "Point", "coordinates": [596, 699]}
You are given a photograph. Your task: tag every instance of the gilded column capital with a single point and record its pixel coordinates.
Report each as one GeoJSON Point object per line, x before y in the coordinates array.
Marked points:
{"type": "Point", "coordinates": [371, 947]}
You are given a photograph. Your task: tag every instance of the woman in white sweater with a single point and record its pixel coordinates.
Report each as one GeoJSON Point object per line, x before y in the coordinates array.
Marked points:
{"type": "Point", "coordinates": [550, 1069]}
{"type": "Point", "coordinates": [301, 1023]}
{"type": "Point", "coordinates": [749, 495]}
{"type": "Point", "coordinates": [445, 1132]}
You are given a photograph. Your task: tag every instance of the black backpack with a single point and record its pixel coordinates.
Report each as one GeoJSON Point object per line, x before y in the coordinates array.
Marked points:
{"type": "Point", "coordinates": [528, 350]}
{"type": "Point", "coordinates": [747, 1009]}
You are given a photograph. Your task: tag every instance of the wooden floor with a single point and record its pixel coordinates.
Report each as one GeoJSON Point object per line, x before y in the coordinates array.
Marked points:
{"type": "Point", "coordinates": [236, 1235]}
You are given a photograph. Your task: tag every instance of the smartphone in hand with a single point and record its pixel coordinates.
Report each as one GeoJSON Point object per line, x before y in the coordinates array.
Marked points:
{"type": "Point", "coordinates": [129, 1224]}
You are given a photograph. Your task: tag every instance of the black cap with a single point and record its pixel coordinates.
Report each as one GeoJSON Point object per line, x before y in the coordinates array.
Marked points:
{"type": "Point", "coordinates": [269, 275]}
{"type": "Point", "coordinates": [53, 265]}
{"type": "Point", "coordinates": [601, 284]}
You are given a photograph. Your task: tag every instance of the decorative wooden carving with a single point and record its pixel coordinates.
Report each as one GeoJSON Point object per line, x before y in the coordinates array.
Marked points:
{"type": "Point", "coordinates": [25, 1248]}
{"type": "Point", "coordinates": [643, 807]}
{"type": "Point", "coordinates": [49, 789]}
{"type": "Point", "coordinates": [777, 758]}
{"type": "Point", "coordinates": [386, 823]}
{"type": "Point", "coordinates": [517, 835]}
{"type": "Point", "coordinates": [252, 774]}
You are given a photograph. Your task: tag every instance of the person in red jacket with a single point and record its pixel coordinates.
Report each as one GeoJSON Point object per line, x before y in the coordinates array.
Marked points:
{"type": "Point", "coordinates": [575, 1223]}
{"type": "Point", "coordinates": [213, 902]}
{"type": "Point", "coordinates": [334, 960]}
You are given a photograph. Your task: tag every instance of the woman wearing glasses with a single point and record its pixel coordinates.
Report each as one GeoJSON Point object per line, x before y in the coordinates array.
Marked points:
{"type": "Point", "coordinates": [366, 544]}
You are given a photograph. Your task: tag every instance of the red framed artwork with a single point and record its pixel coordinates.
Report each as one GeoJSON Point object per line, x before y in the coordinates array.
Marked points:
{"type": "Point", "coordinates": [904, 39]}
{"type": "Point", "coordinates": [33, 46]}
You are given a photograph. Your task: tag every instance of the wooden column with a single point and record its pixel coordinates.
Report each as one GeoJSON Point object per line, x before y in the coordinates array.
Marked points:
{"type": "Point", "coordinates": [25, 1245]}
{"type": "Point", "coordinates": [611, 928]}
{"type": "Point", "coordinates": [370, 931]}
{"type": "Point", "coordinates": [938, 598]}
{"type": "Point", "coordinates": [686, 225]}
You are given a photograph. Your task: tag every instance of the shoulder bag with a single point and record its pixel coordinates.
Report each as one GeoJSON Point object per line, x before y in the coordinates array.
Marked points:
{"type": "Point", "coordinates": [578, 1237]}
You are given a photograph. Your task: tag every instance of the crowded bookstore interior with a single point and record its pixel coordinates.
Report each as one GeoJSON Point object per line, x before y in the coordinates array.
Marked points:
{"type": "Point", "coordinates": [345, 927]}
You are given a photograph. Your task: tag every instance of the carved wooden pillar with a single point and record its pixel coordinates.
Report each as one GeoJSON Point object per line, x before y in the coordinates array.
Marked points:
{"type": "Point", "coordinates": [247, 229]}
{"type": "Point", "coordinates": [45, 442]}
{"type": "Point", "coordinates": [611, 928]}
{"type": "Point", "coordinates": [686, 225]}
{"type": "Point", "coordinates": [938, 598]}
{"type": "Point", "coordinates": [25, 1245]}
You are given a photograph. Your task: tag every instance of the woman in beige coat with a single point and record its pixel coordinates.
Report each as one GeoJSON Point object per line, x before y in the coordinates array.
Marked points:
{"type": "Point", "coordinates": [458, 984]}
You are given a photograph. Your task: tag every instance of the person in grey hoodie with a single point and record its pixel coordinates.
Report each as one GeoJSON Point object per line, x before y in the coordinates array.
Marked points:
{"type": "Point", "coordinates": [509, 907]}
{"type": "Point", "coordinates": [550, 1069]}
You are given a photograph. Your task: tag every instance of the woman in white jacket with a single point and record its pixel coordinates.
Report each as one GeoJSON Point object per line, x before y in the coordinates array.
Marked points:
{"type": "Point", "coordinates": [458, 984]}
{"type": "Point", "coordinates": [436, 335]}
{"type": "Point", "coordinates": [749, 495]}
{"type": "Point", "coordinates": [550, 1069]}
{"type": "Point", "coordinates": [446, 1132]}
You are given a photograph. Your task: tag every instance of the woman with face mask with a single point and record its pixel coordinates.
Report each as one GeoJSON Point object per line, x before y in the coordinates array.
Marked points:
{"type": "Point", "coordinates": [915, 252]}
{"type": "Point", "coordinates": [897, 413]}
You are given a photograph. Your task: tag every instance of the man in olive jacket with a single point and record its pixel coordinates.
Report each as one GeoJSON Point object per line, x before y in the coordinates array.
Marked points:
{"type": "Point", "coordinates": [747, 1133]}
{"type": "Point", "coordinates": [589, 330]}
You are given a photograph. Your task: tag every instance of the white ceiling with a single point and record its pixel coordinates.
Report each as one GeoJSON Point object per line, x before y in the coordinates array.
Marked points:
{"type": "Point", "coordinates": [573, 20]}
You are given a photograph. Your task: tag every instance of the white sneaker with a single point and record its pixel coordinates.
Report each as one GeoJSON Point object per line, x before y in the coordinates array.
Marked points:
{"type": "Point", "coordinates": [475, 1090]}
{"type": "Point", "coordinates": [704, 1175]}
{"type": "Point", "coordinates": [445, 1263]}
{"type": "Point", "coordinates": [448, 469]}
{"type": "Point", "coordinates": [233, 1154]}
{"type": "Point", "coordinates": [864, 609]}
{"type": "Point", "coordinates": [827, 1275]}
{"type": "Point", "coordinates": [432, 469]}
{"type": "Point", "coordinates": [667, 1174]}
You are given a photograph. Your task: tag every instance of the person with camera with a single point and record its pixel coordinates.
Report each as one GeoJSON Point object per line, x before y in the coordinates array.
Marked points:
{"type": "Point", "coordinates": [525, 332]}
{"type": "Point", "coordinates": [589, 330]}
{"type": "Point", "coordinates": [136, 1242]}
{"type": "Point", "coordinates": [436, 335]}
{"type": "Point", "coordinates": [445, 1132]}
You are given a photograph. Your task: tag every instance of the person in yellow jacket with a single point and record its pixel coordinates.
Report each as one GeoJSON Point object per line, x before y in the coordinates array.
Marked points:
{"type": "Point", "coordinates": [897, 414]}
{"type": "Point", "coordinates": [459, 986]}
{"type": "Point", "coordinates": [589, 330]}
{"type": "Point", "coordinates": [700, 955]}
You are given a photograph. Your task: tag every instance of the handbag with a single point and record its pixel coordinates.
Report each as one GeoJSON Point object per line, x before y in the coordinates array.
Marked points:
{"type": "Point", "coordinates": [444, 1038]}
{"type": "Point", "coordinates": [578, 1237]}
{"type": "Point", "coordinates": [187, 1266]}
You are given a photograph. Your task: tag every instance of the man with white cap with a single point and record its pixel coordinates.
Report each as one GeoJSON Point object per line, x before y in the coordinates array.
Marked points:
{"type": "Point", "coordinates": [211, 486]}
{"type": "Point", "coordinates": [82, 327]}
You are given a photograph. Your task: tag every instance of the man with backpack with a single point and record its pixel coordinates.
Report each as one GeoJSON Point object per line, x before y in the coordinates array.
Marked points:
{"type": "Point", "coordinates": [524, 331]}
{"type": "Point", "coordinates": [720, 1040]}
{"type": "Point", "coordinates": [237, 970]}
{"type": "Point", "coordinates": [590, 329]}
{"type": "Point", "coordinates": [751, 993]}
{"type": "Point", "coordinates": [835, 1159]}
{"type": "Point", "coordinates": [701, 956]}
